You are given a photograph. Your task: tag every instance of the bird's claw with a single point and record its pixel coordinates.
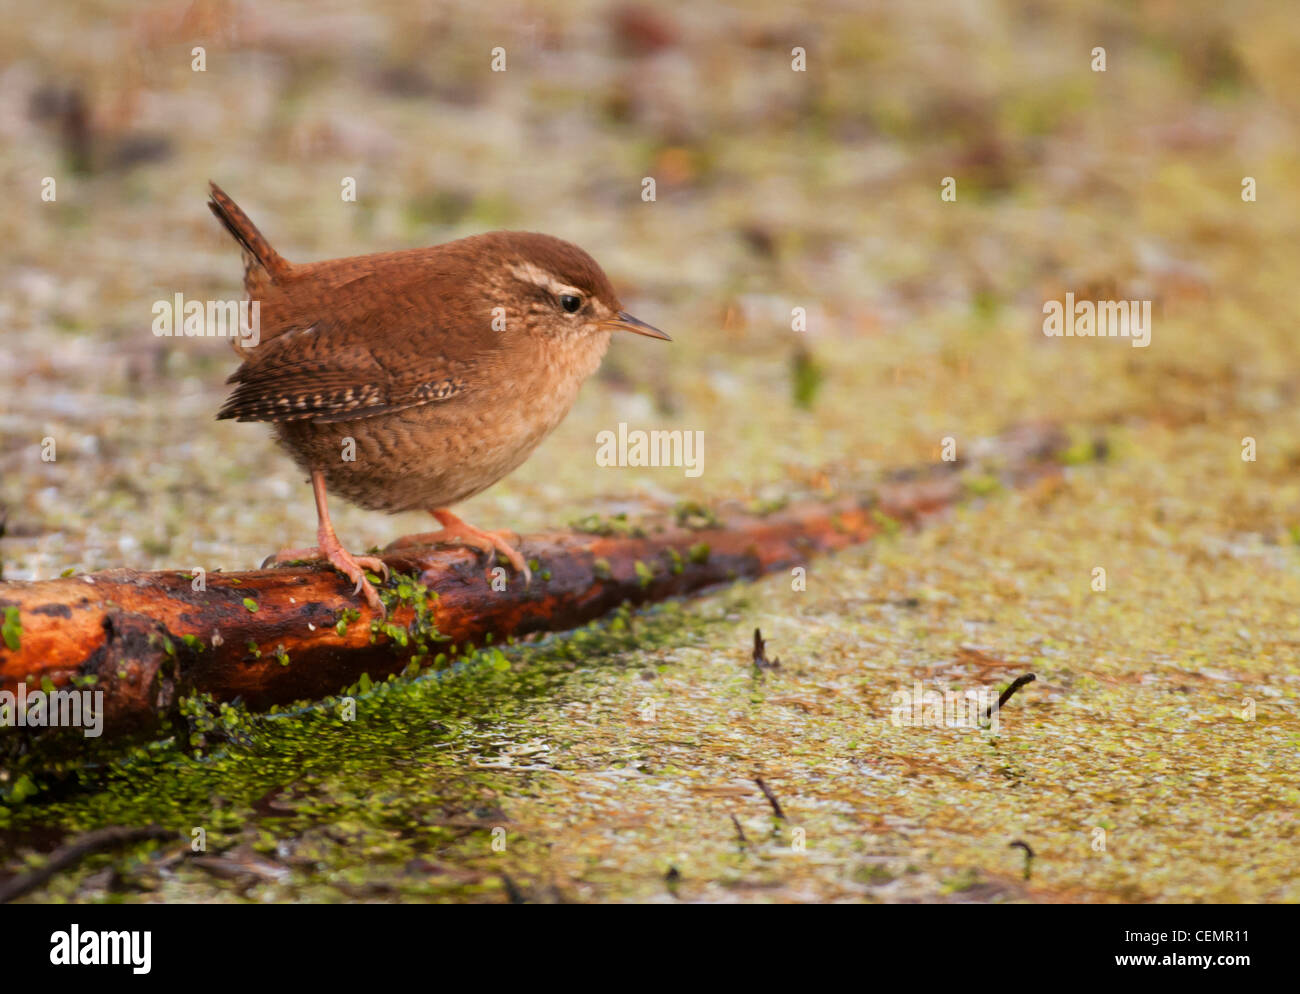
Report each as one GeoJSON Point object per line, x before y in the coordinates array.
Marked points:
{"type": "Point", "coordinates": [487, 543]}
{"type": "Point", "coordinates": [353, 567]}
{"type": "Point", "coordinates": [375, 565]}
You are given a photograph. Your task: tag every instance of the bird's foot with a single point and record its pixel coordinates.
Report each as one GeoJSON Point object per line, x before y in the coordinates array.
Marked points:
{"type": "Point", "coordinates": [353, 567]}
{"type": "Point", "coordinates": [457, 532]}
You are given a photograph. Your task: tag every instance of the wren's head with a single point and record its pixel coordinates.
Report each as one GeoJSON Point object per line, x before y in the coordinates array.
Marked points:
{"type": "Point", "coordinates": [557, 289]}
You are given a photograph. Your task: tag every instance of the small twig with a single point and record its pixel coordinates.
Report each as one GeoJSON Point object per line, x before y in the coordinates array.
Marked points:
{"type": "Point", "coordinates": [74, 852]}
{"type": "Point", "coordinates": [513, 893]}
{"type": "Point", "coordinates": [740, 833]}
{"type": "Point", "coordinates": [673, 880]}
{"type": "Point", "coordinates": [771, 798]}
{"type": "Point", "coordinates": [761, 662]}
{"type": "Point", "coordinates": [1029, 854]}
{"type": "Point", "coordinates": [1016, 684]}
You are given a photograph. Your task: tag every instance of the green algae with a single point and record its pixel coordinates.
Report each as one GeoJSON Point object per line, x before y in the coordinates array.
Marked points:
{"type": "Point", "coordinates": [696, 515]}
{"type": "Point", "coordinates": [436, 734]}
{"type": "Point", "coordinates": [609, 525]}
{"type": "Point", "coordinates": [12, 629]}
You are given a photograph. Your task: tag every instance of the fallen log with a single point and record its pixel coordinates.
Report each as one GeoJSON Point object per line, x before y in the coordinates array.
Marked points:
{"type": "Point", "coordinates": [274, 636]}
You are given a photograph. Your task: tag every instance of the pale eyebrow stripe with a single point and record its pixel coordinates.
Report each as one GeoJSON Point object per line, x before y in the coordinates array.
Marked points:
{"type": "Point", "coordinates": [529, 273]}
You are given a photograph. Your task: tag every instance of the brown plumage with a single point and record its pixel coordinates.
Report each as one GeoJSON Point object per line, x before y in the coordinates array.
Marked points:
{"type": "Point", "coordinates": [413, 380]}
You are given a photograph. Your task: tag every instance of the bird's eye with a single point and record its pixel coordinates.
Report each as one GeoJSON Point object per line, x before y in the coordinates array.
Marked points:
{"type": "Point", "coordinates": [570, 303]}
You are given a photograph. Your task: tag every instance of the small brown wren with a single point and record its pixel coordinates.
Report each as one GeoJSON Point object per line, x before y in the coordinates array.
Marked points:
{"type": "Point", "coordinates": [439, 369]}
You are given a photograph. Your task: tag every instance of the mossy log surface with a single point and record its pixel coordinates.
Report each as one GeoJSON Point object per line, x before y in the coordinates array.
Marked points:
{"type": "Point", "coordinates": [274, 636]}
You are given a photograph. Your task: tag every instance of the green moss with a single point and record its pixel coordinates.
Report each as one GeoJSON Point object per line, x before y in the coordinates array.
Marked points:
{"type": "Point", "coordinates": [890, 526]}
{"type": "Point", "coordinates": [981, 484]}
{"type": "Point", "coordinates": [608, 525]}
{"type": "Point", "coordinates": [23, 788]}
{"type": "Point", "coordinates": [763, 507]}
{"type": "Point", "coordinates": [806, 378]}
{"type": "Point", "coordinates": [693, 514]}
{"type": "Point", "coordinates": [346, 617]}
{"type": "Point", "coordinates": [12, 629]}
{"type": "Point", "coordinates": [644, 574]}
{"type": "Point", "coordinates": [675, 564]}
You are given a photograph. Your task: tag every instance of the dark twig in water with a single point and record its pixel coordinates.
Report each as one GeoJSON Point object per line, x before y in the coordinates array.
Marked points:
{"type": "Point", "coordinates": [1016, 684]}
{"type": "Point", "coordinates": [1029, 854]}
{"type": "Point", "coordinates": [771, 798]}
{"type": "Point", "coordinates": [761, 662]}
{"type": "Point", "coordinates": [740, 833]}
{"type": "Point", "coordinates": [513, 893]}
{"type": "Point", "coordinates": [72, 853]}
{"type": "Point", "coordinates": [673, 880]}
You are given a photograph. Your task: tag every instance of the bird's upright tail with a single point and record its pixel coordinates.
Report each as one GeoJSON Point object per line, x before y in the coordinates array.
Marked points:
{"type": "Point", "coordinates": [245, 232]}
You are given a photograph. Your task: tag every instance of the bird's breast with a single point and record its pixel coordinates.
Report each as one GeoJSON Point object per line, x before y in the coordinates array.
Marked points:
{"type": "Point", "coordinates": [438, 454]}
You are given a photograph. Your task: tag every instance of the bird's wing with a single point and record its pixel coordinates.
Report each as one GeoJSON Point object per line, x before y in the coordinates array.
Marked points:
{"type": "Point", "coordinates": [344, 371]}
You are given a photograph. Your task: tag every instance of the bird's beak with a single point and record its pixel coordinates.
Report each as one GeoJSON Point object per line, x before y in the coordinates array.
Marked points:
{"type": "Point", "coordinates": [626, 322]}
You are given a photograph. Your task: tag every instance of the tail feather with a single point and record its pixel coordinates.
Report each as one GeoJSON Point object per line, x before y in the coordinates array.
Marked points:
{"type": "Point", "coordinates": [245, 232]}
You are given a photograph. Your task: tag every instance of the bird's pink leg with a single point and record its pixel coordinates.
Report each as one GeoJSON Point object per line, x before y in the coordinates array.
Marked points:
{"type": "Point", "coordinates": [331, 550]}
